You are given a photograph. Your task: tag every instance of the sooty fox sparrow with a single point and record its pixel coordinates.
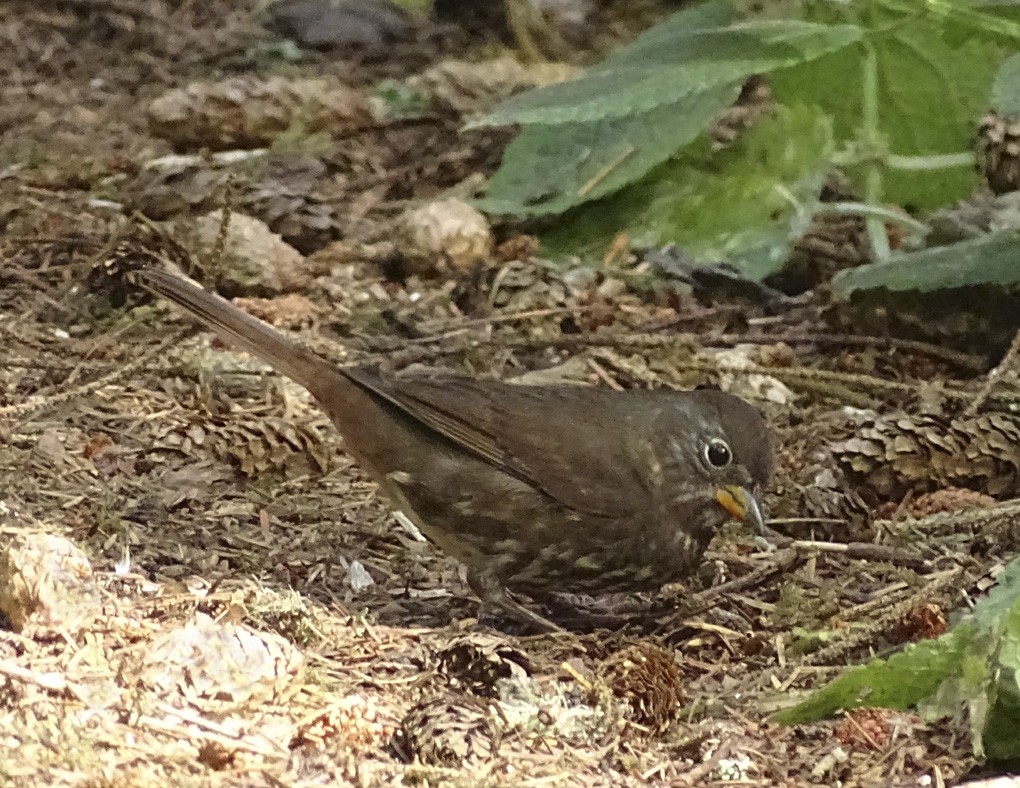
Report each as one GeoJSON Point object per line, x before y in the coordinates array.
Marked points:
{"type": "Point", "coordinates": [537, 489]}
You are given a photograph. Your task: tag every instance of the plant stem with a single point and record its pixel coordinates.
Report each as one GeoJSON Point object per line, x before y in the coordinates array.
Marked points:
{"type": "Point", "coordinates": [941, 161]}
{"type": "Point", "coordinates": [880, 212]}
{"type": "Point", "coordinates": [871, 137]}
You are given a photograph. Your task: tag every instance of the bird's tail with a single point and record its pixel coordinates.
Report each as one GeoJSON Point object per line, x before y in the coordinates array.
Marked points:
{"type": "Point", "coordinates": [241, 329]}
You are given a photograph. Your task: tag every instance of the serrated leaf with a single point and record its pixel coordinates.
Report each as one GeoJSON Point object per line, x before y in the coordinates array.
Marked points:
{"type": "Point", "coordinates": [1005, 15]}
{"type": "Point", "coordinates": [613, 94]}
{"type": "Point", "coordinates": [930, 91]}
{"type": "Point", "coordinates": [783, 40]}
{"type": "Point", "coordinates": [992, 259]}
{"type": "Point", "coordinates": [898, 682]}
{"type": "Point", "coordinates": [746, 205]}
{"type": "Point", "coordinates": [971, 668]}
{"type": "Point", "coordinates": [1006, 88]}
{"type": "Point", "coordinates": [550, 169]}
{"type": "Point", "coordinates": [969, 686]}
{"type": "Point", "coordinates": [684, 63]}
{"type": "Point", "coordinates": [1001, 735]}
{"type": "Point", "coordinates": [930, 95]}
{"type": "Point", "coordinates": [673, 33]}
{"type": "Point", "coordinates": [998, 19]}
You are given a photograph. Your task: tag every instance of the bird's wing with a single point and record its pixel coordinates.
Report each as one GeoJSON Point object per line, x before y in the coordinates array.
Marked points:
{"type": "Point", "coordinates": [565, 440]}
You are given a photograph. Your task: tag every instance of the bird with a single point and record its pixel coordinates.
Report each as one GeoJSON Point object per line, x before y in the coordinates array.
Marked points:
{"type": "Point", "coordinates": [538, 490]}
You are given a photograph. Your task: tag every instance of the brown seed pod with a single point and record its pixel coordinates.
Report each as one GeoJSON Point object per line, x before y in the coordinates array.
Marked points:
{"type": "Point", "coordinates": [447, 731]}
{"type": "Point", "coordinates": [866, 728]}
{"type": "Point", "coordinates": [648, 680]}
{"type": "Point", "coordinates": [923, 622]}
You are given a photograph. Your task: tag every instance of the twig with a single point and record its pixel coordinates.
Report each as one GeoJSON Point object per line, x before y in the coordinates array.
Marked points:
{"type": "Point", "coordinates": [50, 400]}
{"type": "Point", "coordinates": [953, 522]}
{"type": "Point", "coordinates": [215, 258]}
{"type": "Point", "coordinates": [878, 622]}
{"type": "Point", "coordinates": [199, 727]}
{"type": "Point", "coordinates": [51, 682]}
{"type": "Point", "coordinates": [781, 561]}
{"type": "Point", "coordinates": [511, 317]}
{"type": "Point", "coordinates": [866, 551]}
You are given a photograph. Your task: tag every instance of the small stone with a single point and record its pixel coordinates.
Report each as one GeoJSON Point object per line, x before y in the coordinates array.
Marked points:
{"type": "Point", "coordinates": [45, 580]}
{"type": "Point", "coordinates": [255, 259]}
{"type": "Point", "coordinates": [358, 577]}
{"type": "Point", "coordinates": [247, 112]}
{"type": "Point", "coordinates": [448, 232]}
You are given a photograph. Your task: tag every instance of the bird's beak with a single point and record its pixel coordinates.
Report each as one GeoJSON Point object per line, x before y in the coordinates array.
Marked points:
{"type": "Point", "coordinates": [740, 504]}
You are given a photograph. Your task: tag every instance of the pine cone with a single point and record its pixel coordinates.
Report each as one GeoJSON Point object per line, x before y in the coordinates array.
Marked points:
{"type": "Point", "coordinates": [923, 622]}
{"type": "Point", "coordinates": [270, 443]}
{"type": "Point", "coordinates": [866, 728]}
{"type": "Point", "coordinates": [647, 678]}
{"type": "Point", "coordinates": [449, 731]}
{"type": "Point", "coordinates": [950, 499]}
{"type": "Point", "coordinates": [356, 722]}
{"type": "Point", "coordinates": [476, 662]}
{"type": "Point", "coordinates": [141, 244]}
{"type": "Point", "coordinates": [832, 242]}
{"type": "Point", "coordinates": [897, 453]}
{"type": "Point", "coordinates": [998, 150]}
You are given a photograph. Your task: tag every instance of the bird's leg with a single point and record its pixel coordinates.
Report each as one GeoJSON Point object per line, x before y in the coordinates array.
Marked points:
{"type": "Point", "coordinates": [593, 613]}
{"type": "Point", "coordinates": [492, 592]}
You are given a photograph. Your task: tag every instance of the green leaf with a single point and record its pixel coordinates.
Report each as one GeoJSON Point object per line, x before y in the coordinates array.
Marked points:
{"type": "Point", "coordinates": [968, 687]}
{"type": "Point", "coordinates": [1006, 88]}
{"type": "Point", "coordinates": [675, 33]}
{"type": "Point", "coordinates": [899, 682]}
{"type": "Point", "coordinates": [1001, 599]}
{"type": "Point", "coordinates": [931, 89]}
{"type": "Point", "coordinates": [746, 205]}
{"type": "Point", "coordinates": [549, 169]}
{"type": "Point", "coordinates": [996, 19]}
{"type": "Point", "coordinates": [591, 137]}
{"type": "Point", "coordinates": [1001, 735]}
{"type": "Point", "coordinates": [684, 63]}
{"type": "Point", "coordinates": [971, 668]}
{"type": "Point", "coordinates": [930, 95]}
{"type": "Point", "coordinates": [991, 259]}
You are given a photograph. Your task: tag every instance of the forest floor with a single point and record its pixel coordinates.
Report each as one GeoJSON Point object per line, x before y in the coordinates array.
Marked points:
{"type": "Point", "coordinates": [202, 588]}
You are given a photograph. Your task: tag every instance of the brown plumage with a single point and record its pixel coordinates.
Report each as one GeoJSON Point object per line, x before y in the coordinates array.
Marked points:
{"type": "Point", "coordinates": [534, 488]}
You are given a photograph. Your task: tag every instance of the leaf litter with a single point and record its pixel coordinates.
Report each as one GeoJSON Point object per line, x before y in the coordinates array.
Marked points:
{"type": "Point", "coordinates": [202, 588]}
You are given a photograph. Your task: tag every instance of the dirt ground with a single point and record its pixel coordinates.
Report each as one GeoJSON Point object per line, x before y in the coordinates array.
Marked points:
{"type": "Point", "coordinates": [244, 610]}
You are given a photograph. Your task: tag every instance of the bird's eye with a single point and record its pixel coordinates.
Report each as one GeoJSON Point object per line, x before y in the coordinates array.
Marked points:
{"type": "Point", "coordinates": [718, 453]}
